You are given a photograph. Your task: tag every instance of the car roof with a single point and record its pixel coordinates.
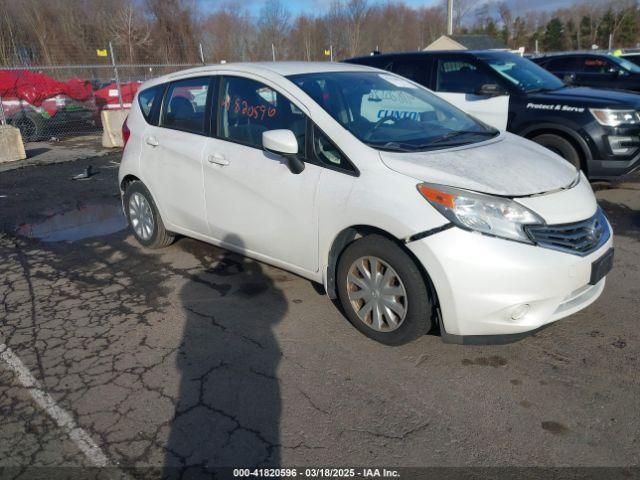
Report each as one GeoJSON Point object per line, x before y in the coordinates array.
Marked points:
{"type": "Point", "coordinates": [426, 54]}
{"type": "Point", "coordinates": [278, 68]}
{"type": "Point", "coordinates": [573, 54]}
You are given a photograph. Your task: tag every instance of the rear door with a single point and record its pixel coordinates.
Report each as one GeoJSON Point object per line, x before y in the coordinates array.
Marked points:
{"type": "Point", "coordinates": [457, 79]}
{"type": "Point", "coordinates": [172, 154]}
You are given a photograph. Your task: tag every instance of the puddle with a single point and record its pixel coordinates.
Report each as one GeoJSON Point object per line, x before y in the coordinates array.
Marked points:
{"type": "Point", "coordinates": [87, 221]}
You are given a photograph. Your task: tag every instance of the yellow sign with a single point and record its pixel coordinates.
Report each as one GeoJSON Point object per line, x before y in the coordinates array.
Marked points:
{"type": "Point", "coordinates": [101, 52]}
{"type": "Point", "coordinates": [327, 53]}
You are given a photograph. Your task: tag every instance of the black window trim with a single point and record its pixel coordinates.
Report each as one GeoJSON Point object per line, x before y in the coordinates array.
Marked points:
{"type": "Point", "coordinates": [315, 160]}
{"type": "Point", "coordinates": [154, 114]}
{"type": "Point", "coordinates": [207, 113]}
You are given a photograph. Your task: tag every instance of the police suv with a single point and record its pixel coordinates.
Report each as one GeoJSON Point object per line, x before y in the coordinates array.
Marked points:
{"type": "Point", "coordinates": [596, 130]}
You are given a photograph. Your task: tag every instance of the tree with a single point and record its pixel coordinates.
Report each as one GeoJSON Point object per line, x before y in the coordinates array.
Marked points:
{"type": "Point", "coordinates": [274, 26]}
{"type": "Point", "coordinates": [128, 28]}
{"type": "Point", "coordinates": [553, 39]}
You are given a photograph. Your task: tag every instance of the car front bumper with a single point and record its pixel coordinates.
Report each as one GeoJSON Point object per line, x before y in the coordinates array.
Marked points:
{"type": "Point", "coordinates": [483, 284]}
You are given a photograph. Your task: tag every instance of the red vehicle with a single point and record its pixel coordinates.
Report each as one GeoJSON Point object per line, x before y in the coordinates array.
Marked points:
{"type": "Point", "coordinates": [39, 105]}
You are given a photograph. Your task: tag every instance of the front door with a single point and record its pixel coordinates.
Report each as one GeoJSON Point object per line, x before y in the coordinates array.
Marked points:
{"type": "Point", "coordinates": [254, 203]}
{"type": "Point", "coordinates": [458, 80]}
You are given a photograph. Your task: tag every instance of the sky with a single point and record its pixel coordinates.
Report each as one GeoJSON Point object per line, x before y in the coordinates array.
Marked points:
{"type": "Point", "coordinates": [321, 6]}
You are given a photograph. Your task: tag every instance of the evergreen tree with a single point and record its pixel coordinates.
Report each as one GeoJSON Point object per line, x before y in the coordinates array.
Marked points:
{"type": "Point", "coordinates": [554, 35]}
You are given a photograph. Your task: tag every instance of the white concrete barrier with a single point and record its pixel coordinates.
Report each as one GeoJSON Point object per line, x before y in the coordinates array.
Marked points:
{"type": "Point", "coordinates": [11, 146]}
{"type": "Point", "coordinates": [112, 121]}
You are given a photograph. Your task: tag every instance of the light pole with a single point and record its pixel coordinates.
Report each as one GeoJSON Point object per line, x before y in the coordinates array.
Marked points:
{"type": "Point", "coordinates": [449, 17]}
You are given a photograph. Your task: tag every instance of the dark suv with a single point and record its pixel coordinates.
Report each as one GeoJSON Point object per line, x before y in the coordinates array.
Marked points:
{"type": "Point", "coordinates": [597, 70]}
{"type": "Point", "coordinates": [598, 130]}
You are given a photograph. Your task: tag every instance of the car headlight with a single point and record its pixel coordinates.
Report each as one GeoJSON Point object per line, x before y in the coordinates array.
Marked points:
{"type": "Point", "coordinates": [495, 216]}
{"type": "Point", "coordinates": [613, 118]}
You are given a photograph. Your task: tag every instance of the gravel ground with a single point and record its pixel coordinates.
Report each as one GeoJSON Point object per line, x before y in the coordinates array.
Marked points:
{"type": "Point", "coordinates": [193, 357]}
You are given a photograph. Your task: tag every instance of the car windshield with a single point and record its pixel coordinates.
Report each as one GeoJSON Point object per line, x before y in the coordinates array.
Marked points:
{"type": "Point", "coordinates": [522, 73]}
{"type": "Point", "coordinates": [626, 64]}
{"type": "Point", "coordinates": [391, 113]}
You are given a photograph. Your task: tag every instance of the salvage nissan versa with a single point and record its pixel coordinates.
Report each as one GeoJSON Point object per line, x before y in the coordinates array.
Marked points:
{"type": "Point", "coordinates": [410, 212]}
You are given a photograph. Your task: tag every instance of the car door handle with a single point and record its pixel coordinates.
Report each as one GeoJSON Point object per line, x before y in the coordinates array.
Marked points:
{"type": "Point", "coordinates": [218, 159]}
{"type": "Point", "coordinates": [152, 141]}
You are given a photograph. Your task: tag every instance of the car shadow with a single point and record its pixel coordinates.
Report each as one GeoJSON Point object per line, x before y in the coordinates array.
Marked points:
{"type": "Point", "coordinates": [227, 412]}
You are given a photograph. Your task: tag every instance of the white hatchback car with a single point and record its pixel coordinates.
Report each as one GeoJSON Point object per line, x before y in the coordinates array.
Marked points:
{"type": "Point", "coordinates": [410, 212]}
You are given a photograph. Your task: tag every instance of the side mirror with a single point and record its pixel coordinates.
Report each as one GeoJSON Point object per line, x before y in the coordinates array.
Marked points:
{"type": "Point", "coordinates": [285, 144]}
{"type": "Point", "coordinates": [491, 90]}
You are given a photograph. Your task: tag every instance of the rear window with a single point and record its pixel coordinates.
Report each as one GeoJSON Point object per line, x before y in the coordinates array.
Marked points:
{"type": "Point", "coordinates": [149, 98]}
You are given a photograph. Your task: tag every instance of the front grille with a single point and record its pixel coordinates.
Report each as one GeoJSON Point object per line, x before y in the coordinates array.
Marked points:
{"type": "Point", "coordinates": [580, 238]}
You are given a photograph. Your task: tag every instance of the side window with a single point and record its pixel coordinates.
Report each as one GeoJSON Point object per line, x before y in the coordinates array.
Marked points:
{"type": "Point", "coordinates": [564, 64]}
{"type": "Point", "coordinates": [460, 76]}
{"type": "Point", "coordinates": [327, 153]}
{"type": "Point", "coordinates": [556, 65]}
{"type": "Point", "coordinates": [185, 105]}
{"type": "Point", "coordinates": [148, 99]}
{"type": "Point", "coordinates": [596, 65]}
{"type": "Point", "coordinates": [247, 108]}
{"type": "Point", "coordinates": [415, 70]}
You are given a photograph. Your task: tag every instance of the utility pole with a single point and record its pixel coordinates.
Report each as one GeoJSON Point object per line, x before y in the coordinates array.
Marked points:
{"type": "Point", "coordinates": [610, 41]}
{"type": "Point", "coordinates": [201, 52]}
{"type": "Point", "coordinates": [273, 52]}
{"type": "Point", "coordinates": [449, 17]}
{"type": "Point", "coordinates": [115, 72]}
{"type": "Point", "coordinates": [3, 120]}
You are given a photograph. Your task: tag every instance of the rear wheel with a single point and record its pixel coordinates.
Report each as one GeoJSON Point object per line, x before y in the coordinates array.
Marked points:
{"type": "Point", "coordinates": [143, 217]}
{"type": "Point", "coordinates": [382, 291]}
{"type": "Point", "coordinates": [561, 146]}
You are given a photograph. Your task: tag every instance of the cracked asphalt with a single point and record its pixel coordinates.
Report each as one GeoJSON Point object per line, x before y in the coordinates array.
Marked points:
{"type": "Point", "coordinates": [191, 357]}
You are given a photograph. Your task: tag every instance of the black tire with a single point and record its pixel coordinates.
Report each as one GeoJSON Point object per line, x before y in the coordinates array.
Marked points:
{"type": "Point", "coordinates": [31, 126]}
{"type": "Point", "coordinates": [561, 146]}
{"type": "Point", "coordinates": [160, 237]}
{"type": "Point", "coordinates": [417, 321]}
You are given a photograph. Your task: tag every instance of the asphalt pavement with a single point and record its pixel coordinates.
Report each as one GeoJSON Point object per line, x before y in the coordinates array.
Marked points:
{"type": "Point", "coordinates": [192, 357]}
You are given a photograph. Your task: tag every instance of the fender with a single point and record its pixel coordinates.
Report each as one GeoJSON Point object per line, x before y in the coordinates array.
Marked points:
{"type": "Point", "coordinates": [570, 131]}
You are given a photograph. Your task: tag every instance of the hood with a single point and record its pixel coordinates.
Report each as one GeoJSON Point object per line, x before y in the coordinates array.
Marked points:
{"type": "Point", "coordinates": [507, 165]}
{"type": "Point", "coordinates": [591, 96]}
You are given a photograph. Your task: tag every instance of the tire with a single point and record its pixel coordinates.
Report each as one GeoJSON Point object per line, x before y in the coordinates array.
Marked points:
{"type": "Point", "coordinates": [417, 319]}
{"type": "Point", "coordinates": [31, 126]}
{"type": "Point", "coordinates": [134, 199]}
{"type": "Point", "coordinates": [561, 146]}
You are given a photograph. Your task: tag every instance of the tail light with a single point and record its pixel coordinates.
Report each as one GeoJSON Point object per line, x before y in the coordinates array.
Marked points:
{"type": "Point", "coordinates": [126, 133]}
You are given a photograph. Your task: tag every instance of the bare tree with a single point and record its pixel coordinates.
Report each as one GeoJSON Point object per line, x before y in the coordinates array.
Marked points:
{"type": "Point", "coordinates": [356, 11]}
{"type": "Point", "coordinates": [274, 26]}
{"type": "Point", "coordinates": [128, 28]}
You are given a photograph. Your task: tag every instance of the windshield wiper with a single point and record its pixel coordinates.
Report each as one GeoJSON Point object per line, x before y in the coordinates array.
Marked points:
{"type": "Point", "coordinates": [457, 133]}
{"type": "Point", "coordinates": [410, 147]}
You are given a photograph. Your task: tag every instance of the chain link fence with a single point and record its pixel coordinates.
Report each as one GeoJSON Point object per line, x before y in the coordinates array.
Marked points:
{"type": "Point", "coordinates": [60, 92]}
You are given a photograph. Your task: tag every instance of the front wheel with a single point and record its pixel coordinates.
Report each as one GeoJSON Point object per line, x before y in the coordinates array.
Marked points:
{"type": "Point", "coordinates": [144, 218]}
{"type": "Point", "coordinates": [382, 291]}
{"type": "Point", "coordinates": [561, 146]}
